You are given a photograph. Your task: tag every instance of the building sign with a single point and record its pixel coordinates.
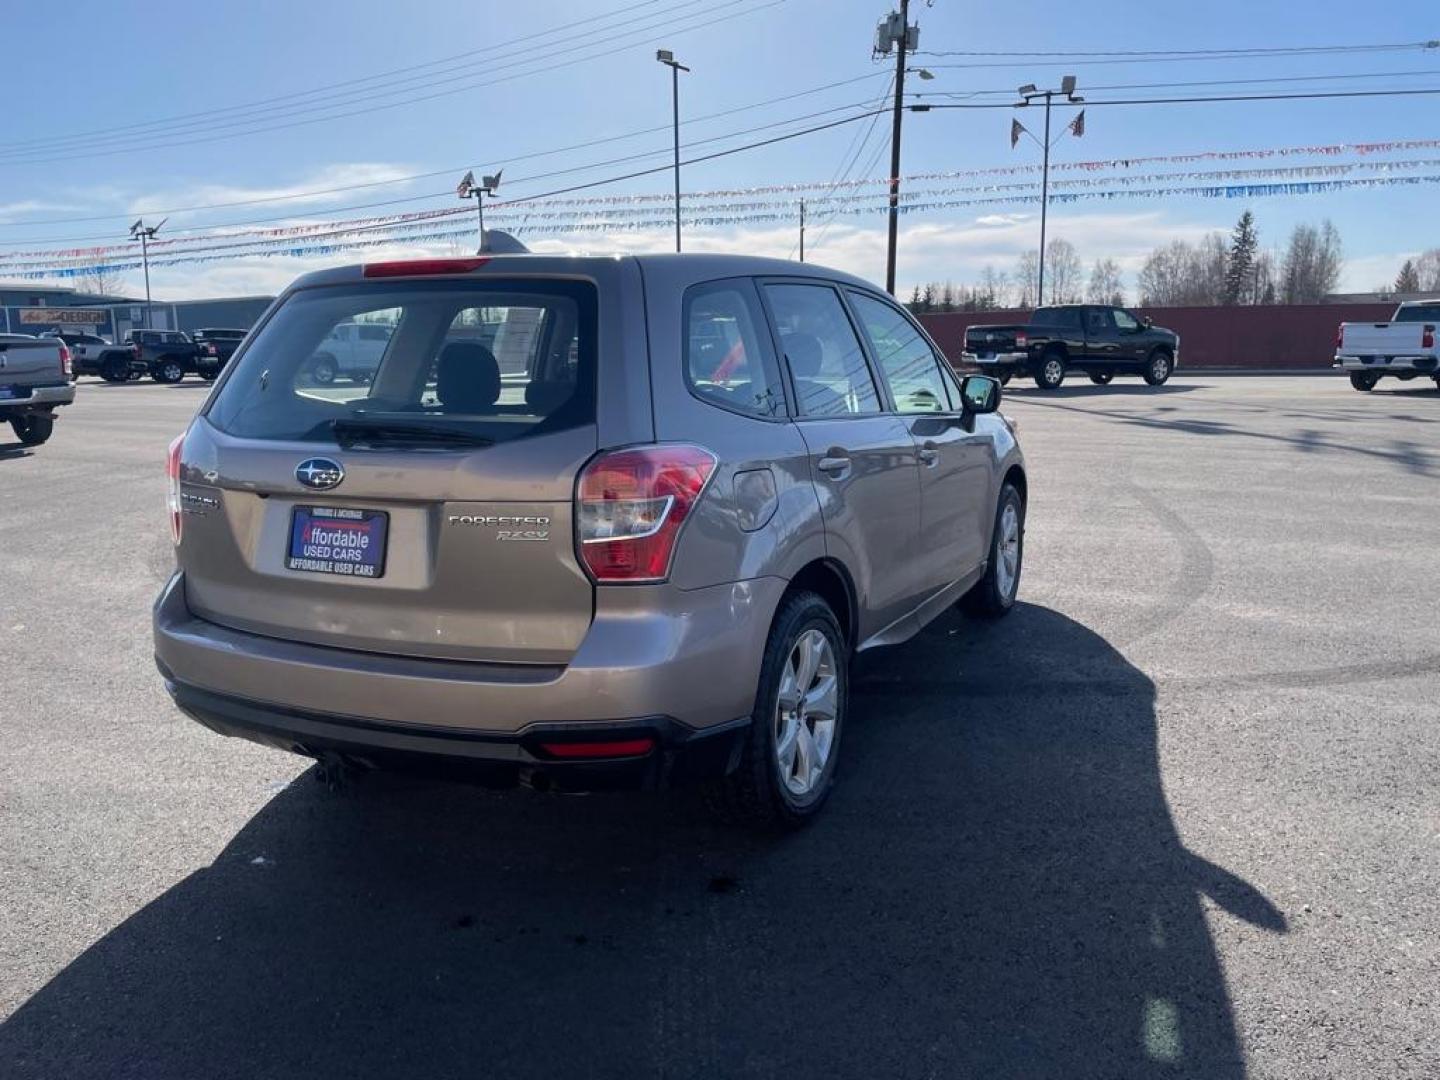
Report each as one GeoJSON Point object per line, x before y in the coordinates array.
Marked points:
{"type": "Point", "coordinates": [56, 316]}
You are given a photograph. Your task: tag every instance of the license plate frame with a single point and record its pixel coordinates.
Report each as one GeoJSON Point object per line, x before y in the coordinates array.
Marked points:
{"type": "Point", "coordinates": [303, 554]}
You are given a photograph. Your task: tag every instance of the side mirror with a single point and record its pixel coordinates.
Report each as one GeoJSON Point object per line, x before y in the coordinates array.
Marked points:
{"type": "Point", "coordinates": [980, 394]}
{"type": "Point", "coordinates": [1146, 323]}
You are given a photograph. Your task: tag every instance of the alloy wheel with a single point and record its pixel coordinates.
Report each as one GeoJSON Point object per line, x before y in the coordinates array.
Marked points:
{"type": "Point", "coordinates": [805, 712]}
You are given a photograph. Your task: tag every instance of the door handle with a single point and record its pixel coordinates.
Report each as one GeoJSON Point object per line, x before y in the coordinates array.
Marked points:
{"type": "Point", "coordinates": [834, 466]}
{"type": "Point", "coordinates": [928, 455]}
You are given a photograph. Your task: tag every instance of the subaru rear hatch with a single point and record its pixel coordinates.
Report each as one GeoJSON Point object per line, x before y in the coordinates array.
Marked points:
{"type": "Point", "coordinates": [420, 505]}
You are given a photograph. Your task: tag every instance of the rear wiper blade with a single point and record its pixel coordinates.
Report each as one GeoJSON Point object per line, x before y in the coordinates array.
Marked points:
{"type": "Point", "coordinates": [351, 433]}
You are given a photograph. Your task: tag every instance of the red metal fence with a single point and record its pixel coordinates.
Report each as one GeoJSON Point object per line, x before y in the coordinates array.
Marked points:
{"type": "Point", "coordinates": [1292, 337]}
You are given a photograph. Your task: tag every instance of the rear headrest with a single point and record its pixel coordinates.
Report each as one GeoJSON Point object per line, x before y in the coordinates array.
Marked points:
{"type": "Point", "coordinates": [804, 353]}
{"type": "Point", "coordinates": [467, 379]}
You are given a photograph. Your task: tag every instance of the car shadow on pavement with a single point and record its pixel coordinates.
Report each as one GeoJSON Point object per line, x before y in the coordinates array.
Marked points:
{"type": "Point", "coordinates": [997, 889]}
{"type": "Point", "coordinates": [1087, 389]}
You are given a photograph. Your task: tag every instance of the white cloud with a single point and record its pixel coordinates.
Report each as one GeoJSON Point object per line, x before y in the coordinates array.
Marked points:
{"type": "Point", "coordinates": [22, 208]}
{"type": "Point", "coordinates": [332, 176]}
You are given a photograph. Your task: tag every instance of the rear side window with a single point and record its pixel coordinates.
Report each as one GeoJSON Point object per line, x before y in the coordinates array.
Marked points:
{"type": "Point", "coordinates": [824, 355]}
{"type": "Point", "coordinates": [1418, 313]}
{"type": "Point", "coordinates": [727, 359]}
{"type": "Point", "coordinates": [493, 359]}
{"type": "Point", "coordinates": [906, 360]}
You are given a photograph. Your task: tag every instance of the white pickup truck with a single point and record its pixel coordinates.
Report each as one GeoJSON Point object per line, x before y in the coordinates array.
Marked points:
{"type": "Point", "coordinates": [35, 380]}
{"type": "Point", "coordinates": [1403, 347]}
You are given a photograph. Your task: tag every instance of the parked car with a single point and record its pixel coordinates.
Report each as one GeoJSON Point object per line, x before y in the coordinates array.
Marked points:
{"type": "Point", "coordinates": [168, 355]}
{"type": "Point", "coordinates": [645, 558]}
{"type": "Point", "coordinates": [1403, 348]}
{"type": "Point", "coordinates": [1100, 340]}
{"type": "Point", "coordinates": [35, 380]}
{"type": "Point", "coordinates": [352, 351]}
{"type": "Point", "coordinates": [113, 363]}
{"type": "Point", "coordinates": [219, 343]}
{"type": "Point", "coordinates": [75, 340]}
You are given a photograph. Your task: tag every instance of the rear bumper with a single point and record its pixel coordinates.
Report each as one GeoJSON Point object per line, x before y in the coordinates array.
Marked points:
{"type": "Point", "coordinates": [690, 657]}
{"type": "Point", "coordinates": [1005, 361]}
{"type": "Point", "coordinates": [1379, 365]}
{"type": "Point", "coordinates": [678, 755]}
{"type": "Point", "coordinates": [40, 399]}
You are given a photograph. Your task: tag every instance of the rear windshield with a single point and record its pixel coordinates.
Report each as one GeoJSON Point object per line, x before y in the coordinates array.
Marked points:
{"type": "Point", "coordinates": [1418, 313]}
{"type": "Point", "coordinates": [495, 359]}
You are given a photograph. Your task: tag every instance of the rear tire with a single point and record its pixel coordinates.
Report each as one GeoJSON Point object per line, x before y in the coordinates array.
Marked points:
{"type": "Point", "coordinates": [1101, 378]}
{"type": "Point", "coordinates": [1159, 367]}
{"type": "Point", "coordinates": [116, 370]}
{"type": "Point", "coordinates": [168, 371]}
{"type": "Point", "coordinates": [994, 594]}
{"type": "Point", "coordinates": [324, 370]}
{"type": "Point", "coordinates": [1363, 380]}
{"type": "Point", "coordinates": [787, 765]}
{"type": "Point", "coordinates": [33, 430]}
{"type": "Point", "coordinates": [1052, 371]}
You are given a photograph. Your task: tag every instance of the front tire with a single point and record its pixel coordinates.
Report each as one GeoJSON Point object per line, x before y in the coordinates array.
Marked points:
{"type": "Point", "coordinates": [994, 594]}
{"type": "Point", "coordinates": [1159, 367]}
{"type": "Point", "coordinates": [1101, 378]}
{"type": "Point", "coordinates": [1363, 380]}
{"type": "Point", "coordinates": [33, 430]}
{"type": "Point", "coordinates": [324, 370]}
{"type": "Point", "coordinates": [168, 371]}
{"type": "Point", "coordinates": [787, 766]}
{"type": "Point", "coordinates": [1052, 371]}
{"type": "Point", "coordinates": [1004, 379]}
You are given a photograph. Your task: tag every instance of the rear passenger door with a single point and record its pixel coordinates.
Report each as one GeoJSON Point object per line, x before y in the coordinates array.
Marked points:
{"type": "Point", "coordinates": [955, 511]}
{"type": "Point", "coordinates": [863, 462]}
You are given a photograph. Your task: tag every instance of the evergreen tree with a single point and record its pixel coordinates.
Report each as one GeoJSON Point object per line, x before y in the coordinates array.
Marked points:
{"type": "Point", "coordinates": [1240, 265]}
{"type": "Point", "coordinates": [927, 298]}
{"type": "Point", "coordinates": [1408, 280]}
{"type": "Point", "coordinates": [914, 303]}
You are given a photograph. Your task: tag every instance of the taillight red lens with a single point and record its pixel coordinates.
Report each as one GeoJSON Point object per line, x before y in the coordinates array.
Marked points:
{"type": "Point", "coordinates": [630, 506]}
{"type": "Point", "coordinates": [422, 267]}
{"type": "Point", "coordinates": [65, 368]}
{"type": "Point", "coordinates": [172, 476]}
{"type": "Point", "coordinates": [1427, 337]}
{"type": "Point", "coordinates": [1021, 341]}
{"type": "Point", "coordinates": [1340, 336]}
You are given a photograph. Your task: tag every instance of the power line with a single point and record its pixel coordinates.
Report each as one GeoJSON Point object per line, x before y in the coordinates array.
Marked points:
{"type": "Point", "coordinates": [1268, 80]}
{"type": "Point", "coordinates": [319, 93]}
{"type": "Point", "coordinates": [544, 63]}
{"type": "Point", "coordinates": [1274, 50]}
{"type": "Point", "coordinates": [1317, 95]}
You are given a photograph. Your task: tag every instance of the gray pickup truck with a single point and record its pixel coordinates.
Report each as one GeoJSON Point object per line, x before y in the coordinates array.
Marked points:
{"type": "Point", "coordinates": [34, 381]}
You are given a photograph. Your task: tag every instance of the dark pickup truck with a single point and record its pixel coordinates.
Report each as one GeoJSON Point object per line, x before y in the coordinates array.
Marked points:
{"type": "Point", "coordinates": [223, 341]}
{"type": "Point", "coordinates": [164, 355]}
{"type": "Point", "coordinates": [1100, 340]}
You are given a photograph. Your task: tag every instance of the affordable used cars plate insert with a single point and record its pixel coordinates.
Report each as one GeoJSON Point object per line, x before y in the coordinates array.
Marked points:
{"type": "Point", "coordinates": [338, 540]}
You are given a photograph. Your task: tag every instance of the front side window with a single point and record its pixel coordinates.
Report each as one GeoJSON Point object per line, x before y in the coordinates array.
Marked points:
{"type": "Point", "coordinates": [1126, 322]}
{"type": "Point", "coordinates": [727, 360]}
{"type": "Point", "coordinates": [906, 360]}
{"type": "Point", "coordinates": [488, 360]}
{"type": "Point", "coordinates": [826, 361]}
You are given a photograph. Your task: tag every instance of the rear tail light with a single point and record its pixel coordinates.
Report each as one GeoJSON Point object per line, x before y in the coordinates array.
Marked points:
{"type": "Point", "coordinates": [630, 506]}
{"type": "Point", "coordinates": [634, 747]}
{"type": "Point", "coordinates": [1427, 337]}
{"type": "Point", "coordinates": [422, 267]}
{"type": "Point", "coordinates": [1021, 341]}
{"type": "Point", "coordinates": [65, 368]}
{"type": "Point", "coordinates": [172, 476]}
{"type": "Point", "coordinates": [1340, 336]}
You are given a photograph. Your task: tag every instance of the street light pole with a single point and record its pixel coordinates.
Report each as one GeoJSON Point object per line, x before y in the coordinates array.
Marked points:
{"type": "Point", "coordinates": [666, 57]}
{"type": "Point", "coordinates": [469, 189]}
{"type": "Point", "coordinates": [1028, 93]}
{"type": "Point", "coordinates": [145, 233]}
{"type": "Point", "coordinates": [802, 230]}
{"type": "Point", "coordinates": [894, 214]}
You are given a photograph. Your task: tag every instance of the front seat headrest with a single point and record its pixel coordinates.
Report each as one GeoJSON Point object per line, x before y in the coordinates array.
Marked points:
{"type": "Point", "coordinates": [467, 378]}
{"type": "Point", "coordinates": [804, 353]}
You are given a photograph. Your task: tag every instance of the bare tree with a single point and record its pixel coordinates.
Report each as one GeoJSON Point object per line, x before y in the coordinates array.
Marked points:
{"type": "Point", "coordinates": [1311, 267]}
{"type": "Point", "coordinates": [1427, 271]}
{"type": "Point", "coordinates": [995, 288]}
{"type": "Point", "coordinates": [1063, 272]}
{"type": "Point", "coordinates": [1027, 281]}
{"type": "Point", "coordinates": [1106, 285]}
{"type": "Point", "coordinates": [99, 278]}
{"type": "Point", "coordinates": [1182, 275]}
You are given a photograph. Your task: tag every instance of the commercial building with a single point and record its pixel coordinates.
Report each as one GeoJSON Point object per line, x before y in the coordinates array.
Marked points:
{"type": "Point", "coordinates": [34, 309]}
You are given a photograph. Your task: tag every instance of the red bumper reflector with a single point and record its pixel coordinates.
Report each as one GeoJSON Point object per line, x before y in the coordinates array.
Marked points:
{"type": "Point", "coordinates": [422, 267]}
{"type": "Point", "coordinates": [613, 748]}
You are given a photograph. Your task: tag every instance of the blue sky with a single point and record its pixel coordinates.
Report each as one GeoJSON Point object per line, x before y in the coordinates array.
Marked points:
{"type": "Point", "coordinates": [599, 79]}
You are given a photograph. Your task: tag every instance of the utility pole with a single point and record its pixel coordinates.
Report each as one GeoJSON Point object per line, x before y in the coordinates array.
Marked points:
{"type": "Point", "coordinates": [145, 233]}
{"type": "Point", "coordinates": [895, 30]}
{"type": "Point", "coordinates": [1029, 92]}
{"type": "Point", "coordinates": [666, 57]}
{"type": "Point", "coordinates": [802, 230]}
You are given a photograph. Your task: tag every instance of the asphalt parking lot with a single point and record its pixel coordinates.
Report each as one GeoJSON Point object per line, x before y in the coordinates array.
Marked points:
{"type": "Point", "coordinates": [1179, 815]}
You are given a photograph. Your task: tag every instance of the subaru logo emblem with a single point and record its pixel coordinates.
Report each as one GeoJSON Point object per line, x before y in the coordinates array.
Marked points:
{"type": "Point", "coordinates": [319, 472]}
